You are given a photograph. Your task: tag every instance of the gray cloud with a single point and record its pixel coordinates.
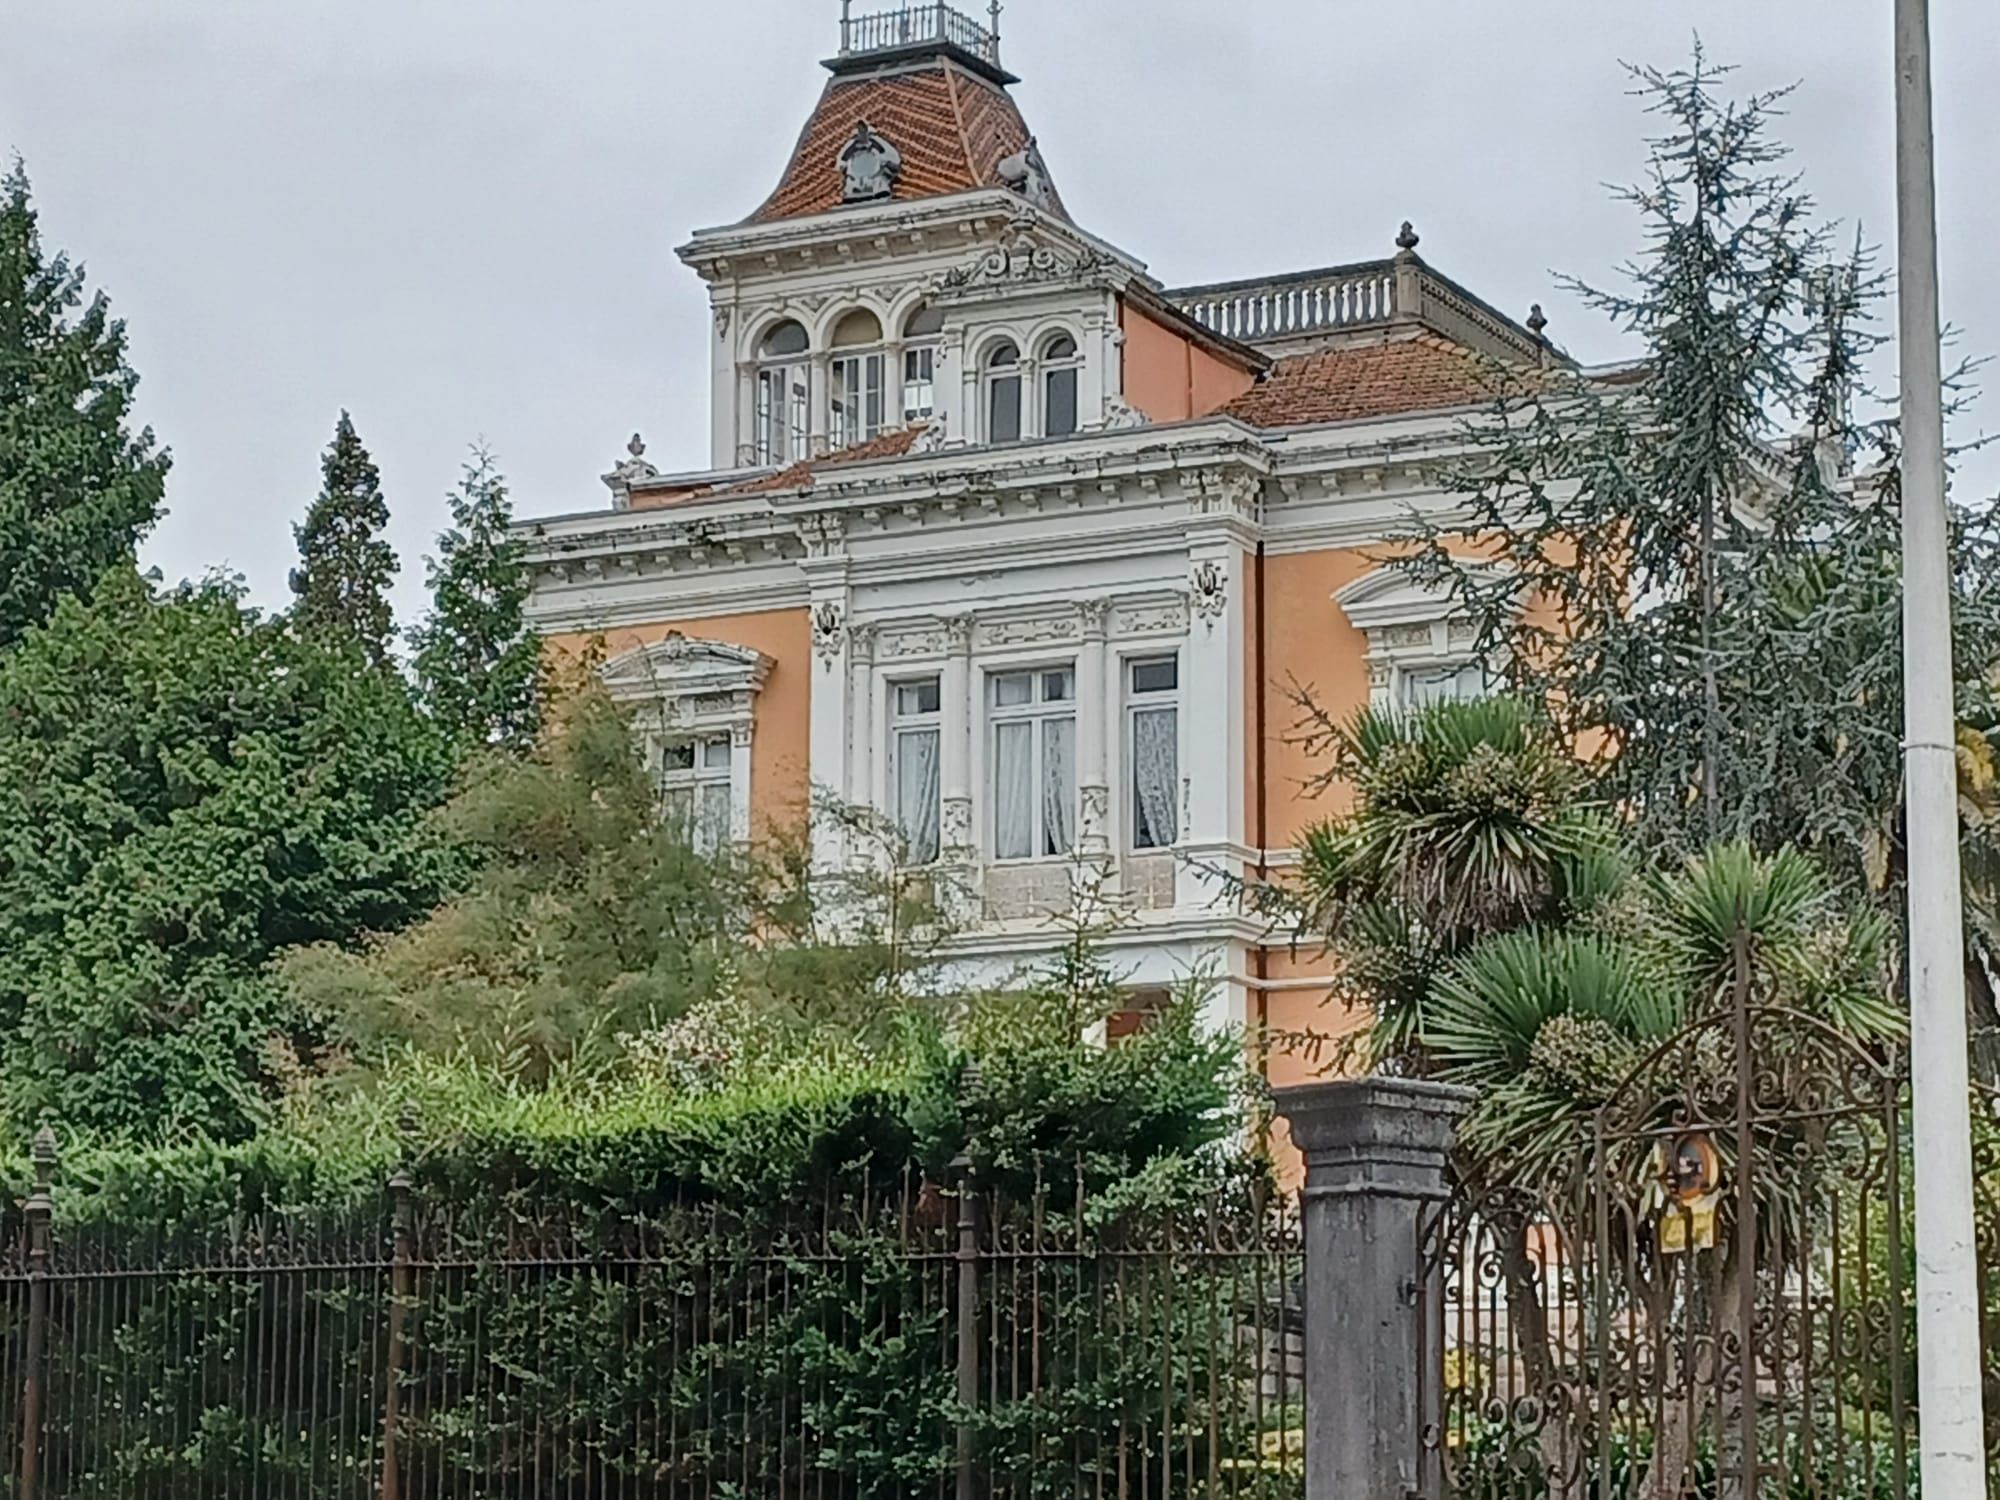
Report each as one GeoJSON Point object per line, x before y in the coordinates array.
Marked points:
{"type": "Point", "coordinates": [458, 218]}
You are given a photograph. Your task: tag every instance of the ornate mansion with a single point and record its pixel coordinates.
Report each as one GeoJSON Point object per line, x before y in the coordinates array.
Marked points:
{"type": "Point", "coordinates": [1008, 541]}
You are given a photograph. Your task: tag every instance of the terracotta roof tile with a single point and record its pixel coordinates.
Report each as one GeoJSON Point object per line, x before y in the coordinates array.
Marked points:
{"type": "Point", "coordinates": [953, 130]}
{"type": "Point", "coordinates": [1370, 380]}
{"type": "Point", "coordinates": [802, 475]}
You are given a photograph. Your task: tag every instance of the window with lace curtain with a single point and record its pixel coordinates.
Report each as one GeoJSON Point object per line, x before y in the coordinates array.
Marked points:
{"type": "Point", "coordinates": [1152, 743]}
{"type": "Point", "coordinates": [1033, 762]}
{"type": "Point", "coordinates": [914, 726]}
{"type": "Point", "coordinates": [1061, 364]}
{"type": "Point", "coordinates": [855, 398]}
{"type": "Point", "coordinates": [694, 780]}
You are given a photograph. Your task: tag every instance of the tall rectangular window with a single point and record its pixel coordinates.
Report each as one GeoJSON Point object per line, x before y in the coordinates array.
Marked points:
{"type": "Point", "coordinates": [914, 725]}
{"type": "Point", "coordinates": [783, 404]}
{"type": "Point", "coordinates": [695, 783]}
{"type": "Point", "coordinates": [855, 397]}
{"type": "Point", "coordinates": [1153, 750]}
{"type": "Point", "coordinates": [1033, 767]}
{"type": "Point", "coordinates": [919, 383]}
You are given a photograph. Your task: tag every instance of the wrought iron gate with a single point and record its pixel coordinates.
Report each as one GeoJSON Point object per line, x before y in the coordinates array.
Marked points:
{"type": "Point", "coordinates": [1702, 1291]}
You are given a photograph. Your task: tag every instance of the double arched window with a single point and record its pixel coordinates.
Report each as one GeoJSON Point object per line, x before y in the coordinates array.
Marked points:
{"type": "Point", "coordinates": [784, 394]}
{"type": "Point", "coordinates": [1005, 381]}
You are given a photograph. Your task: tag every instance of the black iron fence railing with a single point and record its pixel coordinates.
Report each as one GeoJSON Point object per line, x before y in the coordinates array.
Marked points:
{"type": "Point", "coordinates": [916, 1340]}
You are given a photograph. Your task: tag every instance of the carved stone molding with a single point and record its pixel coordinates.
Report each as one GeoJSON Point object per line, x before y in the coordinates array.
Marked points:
{"type": "Point", "coordinates": [1162, 617]}
{"type": "Point", "coordinates": [829, 630]}
{"type": "Point", "coordinates": [958, 631]}
{"type": "Point", "coordinates": [1023, 260]}
{"type": "Point", "coordinates": [865, 639]}
{"type": "Point", "coordinates": [1208, 588]}
{"type": "Point", "coordinates": [955, 823]}
{"type": "Point", "coordinates": [824, 534]}
{"type": "Point", "coordinates": [1093, 615]}
{"type": "Point", "coordinates": [906, 645]}
{"type": "Point", "coordinates": [1034, 631]}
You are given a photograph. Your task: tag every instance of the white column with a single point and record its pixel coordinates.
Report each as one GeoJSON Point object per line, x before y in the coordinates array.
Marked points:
{"type": "Point", "coordinates": [957, 715]}
{"type": "Point", "coordinates": [1213, 736]}
{"type": "Point", "coordinates": [744, 421]}
{"type": "Point", "coordinates": [819, 390]}
{"type": "Point", "coordinates": [739, 781]}
{"type": "Point", "coordinates": [1096, 721]}
{"type": "Point", "coordinates": [826, 568]}
{"type": "Point", "coordinates": [862, 737]}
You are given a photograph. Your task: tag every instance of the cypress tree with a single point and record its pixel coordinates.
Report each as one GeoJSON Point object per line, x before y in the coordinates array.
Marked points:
{"type": "Point", "coordinates": [476, 660]}
{"type": "Point", "coordinates": [78, 488]}
{"type": "Point", "coordinates": [345, 566]}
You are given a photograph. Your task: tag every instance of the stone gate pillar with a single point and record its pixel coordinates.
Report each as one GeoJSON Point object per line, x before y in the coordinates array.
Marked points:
{"type": "Point", "coordinates": [1375, 1152]}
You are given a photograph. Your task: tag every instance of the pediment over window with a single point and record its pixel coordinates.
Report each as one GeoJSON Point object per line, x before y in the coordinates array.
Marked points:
{"type": "Point", "coordinates": [678, 667]}
{"type": "Point", "coordinates": [1389, 597]}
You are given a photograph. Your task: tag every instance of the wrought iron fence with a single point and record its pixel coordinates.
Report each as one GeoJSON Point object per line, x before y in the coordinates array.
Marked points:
{"type": "Point", "coordinates": [900, 1340]}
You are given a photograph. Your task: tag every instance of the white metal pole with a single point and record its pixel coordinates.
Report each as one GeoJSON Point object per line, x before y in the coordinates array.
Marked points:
{"type": "Point", "coordinates": [1952, 1435]}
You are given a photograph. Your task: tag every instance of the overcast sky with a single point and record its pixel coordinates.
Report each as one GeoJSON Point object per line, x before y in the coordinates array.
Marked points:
{"type": "Point", "coordinates": [457, 217]}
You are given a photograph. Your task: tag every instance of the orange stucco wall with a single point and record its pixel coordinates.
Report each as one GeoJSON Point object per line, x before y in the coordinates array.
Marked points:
{"type": "Point", "coordinates": [1171, 378]}
{"type": "Point", "coordinates": [780, 781]}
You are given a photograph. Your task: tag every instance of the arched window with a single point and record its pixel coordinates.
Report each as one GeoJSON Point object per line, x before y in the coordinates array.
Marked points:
{"type": "Point", "coordinates": [920, 354]}
{"type": "Point", "coordinates": [1061, 364]}
{"type": "Point", "coordinates": [783, 395]}
{"type": "Point", "coordinates": [1003, 394]}
{"type": "Point", "coordinates": [854, 390]}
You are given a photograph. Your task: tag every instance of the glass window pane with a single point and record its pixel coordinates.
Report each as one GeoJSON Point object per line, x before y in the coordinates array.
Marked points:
{"type": "Point", "coordinates": [677, 804]}
{"type": "Point", "coordinates": [1060, 417]}
{"type": "Point", "coordinates": [1058, 785]}
{"type": "Point", "coordinates": [1013, 690]}
{"type": "Point", "coordinates": [787, 338]}
{"type": "Point", "coordinates": [1013, 791]}
{"type": "Point", "coordinates": [1003, 415]}
{"type": "Point", "coordinates": [1004, 356]}
{"type": "Point", "coordinates": [1155, 778]}
{"type": "Point", "coordinates": [1062, 346]}
{"type": "Point", "coordinates": [715, 754]}
{"type": "Point", "coordinates": [1162, 676]}
{"type": "Point", "coordinates": [677, 757]}
{"type": "Point", "coordinates": [917, 697]}
{"type": "Point", "coordinates": [915, 766]}
{"type": "Point", "coordinates": [714, 828]}
{"type": "Point", "coordinates": [1059, 686]}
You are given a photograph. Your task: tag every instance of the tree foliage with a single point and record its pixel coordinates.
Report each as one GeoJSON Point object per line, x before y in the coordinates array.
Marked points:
{"type": "Point", "coordinates": [346, 567]}
{"type": "Point", "coordinates": [78, 487]}
{"type": "Point", "coordinates": [186, 789]}
{"type": "Point", "coordinates": [592, 917]}
{"type": "Point", "coordinates": [476, 660]}
{"type": "Point", "coordinates": [1719, 587]}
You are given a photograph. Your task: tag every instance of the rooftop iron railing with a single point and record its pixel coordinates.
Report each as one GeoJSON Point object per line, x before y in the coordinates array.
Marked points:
{"type": "Point", "coordinates": [916, 26]}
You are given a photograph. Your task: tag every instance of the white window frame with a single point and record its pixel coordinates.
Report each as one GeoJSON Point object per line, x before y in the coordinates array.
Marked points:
{"type": "Point", "coordinates": [914, 722]}
{"type": "Point", "coordinates": [1038, 712]}
{"type": "Point", "coordinates": [991, 377]}
{"type": "Point", "coordinates": [919, 391]}
{"type": "Point", "coordinates": [1415, 631]}
{"type": "Point", "coordinates": [783, 412]}
{"type": "Point", "coordinates": [705, 773]}
{"type": "Point", "coordinates": [1046, 368]}
{"type": "Point", "coordinates": [1137, 703]}
{"type": "Point", "coordinates": [680, 690]}
{"type": "Point", "coordinates": [856, 401]}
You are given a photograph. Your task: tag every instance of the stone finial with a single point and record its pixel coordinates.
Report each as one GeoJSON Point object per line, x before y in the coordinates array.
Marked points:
{"type": "Point", "coordinates": [1407, 238]}
{"type": "Point", "coordinates": [1537, 321]}
{"type": "Point", "coordinates": [637, 447]}
{"type": "Point", "coordinates": [44, 1153]}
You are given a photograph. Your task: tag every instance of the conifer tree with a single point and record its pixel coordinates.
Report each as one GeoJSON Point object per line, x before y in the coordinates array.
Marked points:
{"type": "Point", "coordinates": [345, 565]}
{"type": "Point", "coordinates": [78, 488]}
{"type": "Point", "coordinates": [476, 660]}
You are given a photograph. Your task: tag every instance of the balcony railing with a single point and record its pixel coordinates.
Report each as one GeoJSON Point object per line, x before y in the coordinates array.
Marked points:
{"type": "Point", "coordinates": [1292, 307]}
{"type": "Point", "coordinates": [918, 26]}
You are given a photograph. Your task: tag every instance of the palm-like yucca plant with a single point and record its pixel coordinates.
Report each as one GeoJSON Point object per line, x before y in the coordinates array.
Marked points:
{"type": "Point", "coordinates": [1468, 819]}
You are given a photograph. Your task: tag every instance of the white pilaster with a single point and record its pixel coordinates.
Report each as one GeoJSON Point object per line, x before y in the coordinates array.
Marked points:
{"type": "Point", "coordinates": [1214, 734]}
{"type": "Point", "coordinates": [826, 568]}
{"type": "Point", "coordinates": [1096, 723]}
{"type": "Point", "coordinates": [739, 781]}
